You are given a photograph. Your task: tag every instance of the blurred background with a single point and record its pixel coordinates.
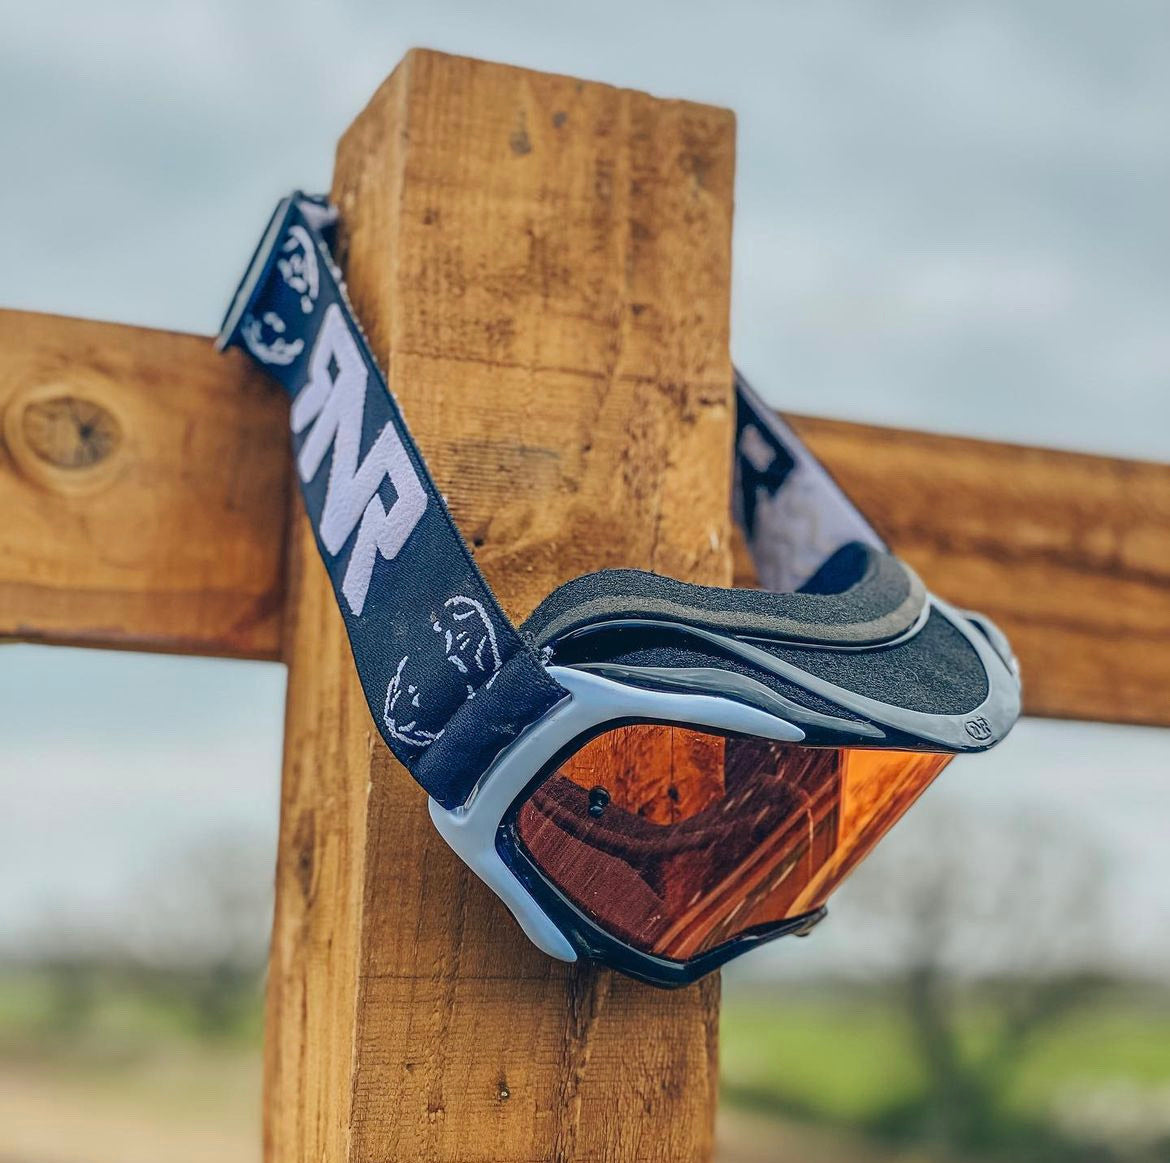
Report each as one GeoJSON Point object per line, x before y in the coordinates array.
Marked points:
{"type": "Point", "coordinates": [949, 217]}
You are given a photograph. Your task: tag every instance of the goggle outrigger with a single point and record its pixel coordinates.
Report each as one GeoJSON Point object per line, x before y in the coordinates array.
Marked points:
{"type": "Point", "coordinates": [654, 774]}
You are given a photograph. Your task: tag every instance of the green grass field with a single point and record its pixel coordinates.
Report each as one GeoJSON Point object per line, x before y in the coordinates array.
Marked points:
{"type": "Point", "coordinates": [848, 1058]}
{"type": "Point", "coordinates": [832, 1074]}
{"type": "Point", "coordinates": [65, 1011]}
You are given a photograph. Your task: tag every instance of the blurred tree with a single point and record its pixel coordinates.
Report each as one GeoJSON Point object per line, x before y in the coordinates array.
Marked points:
{"type": "Point", "coordinates": [185, 946]}
{"type": "Point", "coordinates": [1000, 920]}
{"type": "Point", "coordinates": [202, 925]}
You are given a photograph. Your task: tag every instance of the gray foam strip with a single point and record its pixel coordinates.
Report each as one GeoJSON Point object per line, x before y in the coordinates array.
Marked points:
{"type": "Point", "coordinates": [799, 622]}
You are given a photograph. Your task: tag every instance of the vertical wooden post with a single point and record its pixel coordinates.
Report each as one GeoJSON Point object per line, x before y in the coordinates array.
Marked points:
{"type": "Point", "coordinates": [542, 264]}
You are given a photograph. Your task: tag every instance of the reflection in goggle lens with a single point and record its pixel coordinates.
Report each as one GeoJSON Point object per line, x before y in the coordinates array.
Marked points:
{"type": "Point", "coordinates": [675, 841]}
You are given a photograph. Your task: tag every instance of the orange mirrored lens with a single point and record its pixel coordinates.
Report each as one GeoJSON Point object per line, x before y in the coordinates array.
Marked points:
{"type": "Point", "coordinates": [676, 841]}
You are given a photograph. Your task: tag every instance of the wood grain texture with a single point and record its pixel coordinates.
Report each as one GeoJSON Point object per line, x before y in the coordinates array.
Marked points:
{"type": "Point", "coordinates": [543, 266]}
{"type": "Point", "coordinates": [143, 486]}
{"type": "Point", "coordinates": [1069, 553]}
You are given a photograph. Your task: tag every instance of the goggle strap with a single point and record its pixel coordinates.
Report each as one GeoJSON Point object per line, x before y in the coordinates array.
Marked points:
{"type": "Point", "coordinates": [428, 637]}
{"type": "Point", "coordinates": [793, 514]}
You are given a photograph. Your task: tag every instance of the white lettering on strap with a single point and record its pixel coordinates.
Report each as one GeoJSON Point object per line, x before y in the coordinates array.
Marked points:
{"type": "Point", "coordinates": [333, 401]}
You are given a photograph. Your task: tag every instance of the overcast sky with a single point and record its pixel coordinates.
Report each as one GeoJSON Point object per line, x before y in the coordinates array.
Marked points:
{"type": "Point", "coordinates": [949, 216]}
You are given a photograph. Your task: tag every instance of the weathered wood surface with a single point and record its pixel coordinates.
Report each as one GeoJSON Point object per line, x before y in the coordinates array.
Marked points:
{"type": "Point", "coordinates": [142, 490]}
{"type": "Point", "coordinates": [543, 266]}
{"type": "Point", "coordinates": [1069, 553]}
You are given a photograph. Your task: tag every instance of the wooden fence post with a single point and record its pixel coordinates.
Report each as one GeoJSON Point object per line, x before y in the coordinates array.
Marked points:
{"type": "Point", "coordinates": [542, 265]}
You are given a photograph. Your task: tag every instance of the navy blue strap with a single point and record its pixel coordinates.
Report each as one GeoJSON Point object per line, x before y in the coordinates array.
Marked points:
{"type": "Point", "coordinates": [449, 680]}
{"type": "Point", "coordinates": [794, 516]}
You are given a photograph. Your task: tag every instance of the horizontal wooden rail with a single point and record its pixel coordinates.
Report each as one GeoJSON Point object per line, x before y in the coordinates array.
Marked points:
{"type": "Point", "coordinates": [143, 486]}
{"type": "Point", "coordinates": [143, 491]}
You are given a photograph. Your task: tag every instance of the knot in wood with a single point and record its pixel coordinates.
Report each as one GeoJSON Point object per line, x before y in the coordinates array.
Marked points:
{"type": "Point", "coordinates": [70, 432]}
{"type": "Point", "coordinates": [67, 436]}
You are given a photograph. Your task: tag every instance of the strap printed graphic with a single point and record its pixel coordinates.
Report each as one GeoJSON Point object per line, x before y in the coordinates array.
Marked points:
{"type": "Point", "coordinates": [327, 413]}
{"type": "Point", "coordinates": [794, 516]}
{"type": "Point", "coordinates": [427, 633]}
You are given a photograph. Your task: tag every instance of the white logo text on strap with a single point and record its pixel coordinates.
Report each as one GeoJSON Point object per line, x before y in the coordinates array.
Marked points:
{"type": "Point", "coordinates": [333, 401]}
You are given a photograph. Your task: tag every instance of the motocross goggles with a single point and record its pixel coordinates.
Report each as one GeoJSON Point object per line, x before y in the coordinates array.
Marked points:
{"type": "Point", "coordinates": [649, 773]}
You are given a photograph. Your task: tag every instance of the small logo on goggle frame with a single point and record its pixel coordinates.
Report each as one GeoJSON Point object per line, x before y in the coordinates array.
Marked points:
{"type": "Point", "coordinates": [979, 729]}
